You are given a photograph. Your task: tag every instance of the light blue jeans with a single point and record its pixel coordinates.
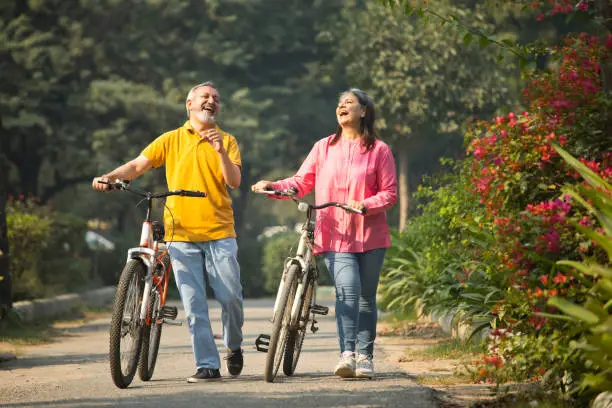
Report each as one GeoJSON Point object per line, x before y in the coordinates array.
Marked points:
{"type": "Point", "coordinates": [356, 277]}
{"type": "Point", "coordinates": [218, 259]}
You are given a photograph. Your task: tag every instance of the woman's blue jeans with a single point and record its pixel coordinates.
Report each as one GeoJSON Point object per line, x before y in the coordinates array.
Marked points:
{"type": "Point", "coordinates": [356, 277]}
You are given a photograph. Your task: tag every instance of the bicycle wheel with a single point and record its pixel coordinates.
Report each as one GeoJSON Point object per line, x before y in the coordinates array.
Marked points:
{"type": "Point", "coordinates": [282, 321]}
{"type": "Point", "coordinates": [295, 336]}
{"type": "Point", "coordinates": [125, 327]}
{"type": "Point", "coordinates": [151, 335]}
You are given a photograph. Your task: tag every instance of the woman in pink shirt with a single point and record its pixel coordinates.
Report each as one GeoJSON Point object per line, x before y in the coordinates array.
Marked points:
{"type": "Point", "coordinates": [351, 166]}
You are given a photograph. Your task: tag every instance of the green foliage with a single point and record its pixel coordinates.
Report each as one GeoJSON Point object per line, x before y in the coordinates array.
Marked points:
{"type": "Point", "coordinates": [424, 82]}
{"type": "Point", "coordinates": [276, 250]}
{"type": "Point", "coordinates": [28, 235]}
{"type": "Point", "coordinates": [249, 255]}
{"type": "Point", "coordinates": [66, 261]}
{"type": "Point", "coordinates": [48, 252]}
{"type": "Point", "coordinates": [594, 316]}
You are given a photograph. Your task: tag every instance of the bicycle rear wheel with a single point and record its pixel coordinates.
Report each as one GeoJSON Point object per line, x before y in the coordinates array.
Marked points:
{"type": "Point", "coordinates": [282, 320]}
{"type": "Point", "coordinates": [125, 327]}
{"type": "Point", "coordinates": [295, 336]}
{"type": "Point", "coordinates": [151, 335]}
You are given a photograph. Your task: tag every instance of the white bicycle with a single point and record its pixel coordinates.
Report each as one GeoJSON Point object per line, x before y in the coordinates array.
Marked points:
{"type": "Point", "coordinates": [296, 296]}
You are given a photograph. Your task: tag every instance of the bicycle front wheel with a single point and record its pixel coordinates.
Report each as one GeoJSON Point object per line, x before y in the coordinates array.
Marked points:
{"type": "Point", "coordinates": [295, 336]}
{"type": "Point", "coordinates": [125, 327]}
{"type": "Point", "coordinates": [282, 321]}
{"type": "Point", "coordinates": [151, 335]}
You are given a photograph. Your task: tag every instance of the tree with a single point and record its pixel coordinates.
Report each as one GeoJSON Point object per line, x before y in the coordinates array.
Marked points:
{"type": "Point", "coordinates": [424, 83]}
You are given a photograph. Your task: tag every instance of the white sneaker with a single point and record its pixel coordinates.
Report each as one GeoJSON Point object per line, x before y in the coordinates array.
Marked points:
{"type": "Point", "coordinates": [364, 366]}
{"type": "Point", "coordinates": [346, 366]}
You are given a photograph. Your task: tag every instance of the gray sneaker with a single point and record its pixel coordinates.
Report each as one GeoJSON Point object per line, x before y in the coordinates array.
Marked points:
{"type": "Point", "coordinates": [364, 366]}
{"type": "Point", "coordinates": [346, 366]}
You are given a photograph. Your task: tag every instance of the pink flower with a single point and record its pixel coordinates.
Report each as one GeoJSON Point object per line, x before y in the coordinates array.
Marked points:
{"type": "Point", "coordinates": [552, 241]}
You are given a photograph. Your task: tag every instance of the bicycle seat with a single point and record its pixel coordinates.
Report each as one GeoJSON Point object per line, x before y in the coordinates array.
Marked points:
{"type": "Point", "coordinates": [158, 231]}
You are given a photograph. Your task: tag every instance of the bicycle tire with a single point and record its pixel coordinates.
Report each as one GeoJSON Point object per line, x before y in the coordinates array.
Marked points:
{"type": "Point", "coordinates": [151, 336]}
{"type": "Point", "coordinates": [128, 297]}
{"type": "Point", "coordinates": [278, 336]}
{"type": "Point", "coordinates": [296, 335]}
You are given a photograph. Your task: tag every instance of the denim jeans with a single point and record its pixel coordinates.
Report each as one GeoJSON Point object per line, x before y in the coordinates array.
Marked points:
{"type": "Point", "coordinates": [356, 277]}
{"type": "Point", "coordinates": [218, 259]}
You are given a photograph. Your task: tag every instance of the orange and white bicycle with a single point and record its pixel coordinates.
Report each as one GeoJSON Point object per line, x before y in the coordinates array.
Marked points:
{"type": "Point", "coordinates": [140, 309]}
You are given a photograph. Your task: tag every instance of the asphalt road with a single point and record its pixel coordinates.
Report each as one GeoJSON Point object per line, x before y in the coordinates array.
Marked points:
{"type": "Point", "coordinates": [74, 372]}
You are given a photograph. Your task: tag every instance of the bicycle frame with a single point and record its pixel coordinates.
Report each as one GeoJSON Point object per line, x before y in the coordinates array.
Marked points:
{"type": "Point", "coordinates": [304, 259]}
{"type": "Point", "coordinates": [146, 252]}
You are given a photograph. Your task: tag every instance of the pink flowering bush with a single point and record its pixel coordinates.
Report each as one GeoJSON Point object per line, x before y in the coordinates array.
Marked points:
{"type": "Point", "coordinates": [488, 243]}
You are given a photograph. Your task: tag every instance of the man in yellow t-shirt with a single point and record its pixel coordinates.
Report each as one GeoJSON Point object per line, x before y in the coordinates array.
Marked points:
{"type": "Point", "coordinates": [200, 156]}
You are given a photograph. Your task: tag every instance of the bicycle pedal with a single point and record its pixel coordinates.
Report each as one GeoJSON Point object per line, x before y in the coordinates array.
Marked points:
{"type": "Point", "coordinates": [168, 312]}
{"type": "Point", "coordinates": [172, 322]}
{"type": "Point", "coordinates": [262, 343]}
{"type": "Point", "coordinates": [320, 310]}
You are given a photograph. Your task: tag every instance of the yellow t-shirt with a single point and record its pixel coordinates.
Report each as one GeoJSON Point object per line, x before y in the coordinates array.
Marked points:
{"type": "Point", "coordinates": [194, 164]}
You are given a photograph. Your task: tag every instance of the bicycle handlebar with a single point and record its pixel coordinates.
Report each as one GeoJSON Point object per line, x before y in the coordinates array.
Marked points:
{"type": "Point", "coordinates": [292, 192]}
{"type": "Point", "coordinates": [125, 185]}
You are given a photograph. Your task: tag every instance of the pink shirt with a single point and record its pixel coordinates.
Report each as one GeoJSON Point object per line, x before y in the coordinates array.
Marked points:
{"type": "Point", "coordinates": [341, 172]}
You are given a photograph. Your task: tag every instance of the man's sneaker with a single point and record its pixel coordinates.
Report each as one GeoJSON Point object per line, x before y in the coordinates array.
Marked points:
{"type": "Point", "coordinates": [346, 366]}
{"type": "Point", "coordinates": [365, 366]}
{"type": "Point", "coordinates": [234, 361]}
{"type": "Point", "coordinates": [205, 374]}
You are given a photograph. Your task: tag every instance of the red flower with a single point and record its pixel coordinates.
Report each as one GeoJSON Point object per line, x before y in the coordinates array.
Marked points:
{"type": "Point", "coordinates": [560, 278]}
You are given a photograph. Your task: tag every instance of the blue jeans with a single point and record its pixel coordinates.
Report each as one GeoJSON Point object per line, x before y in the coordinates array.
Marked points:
{"type": "Point", "coordinates": [218, 259]}
{"type": "Point", "coordinates": [356, 277]}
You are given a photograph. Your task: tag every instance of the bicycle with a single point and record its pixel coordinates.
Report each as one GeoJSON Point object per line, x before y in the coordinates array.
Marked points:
{"type": "Point", "coordinates": [296, 296]}
{"type": "Point", "coordinates": [139, 308]}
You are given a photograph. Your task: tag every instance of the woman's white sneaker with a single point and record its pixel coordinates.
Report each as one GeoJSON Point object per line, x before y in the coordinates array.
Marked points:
{"type": "Point", "coordinates": [346, 366]}
{"type": "Point", "coordinates": [364, 366]}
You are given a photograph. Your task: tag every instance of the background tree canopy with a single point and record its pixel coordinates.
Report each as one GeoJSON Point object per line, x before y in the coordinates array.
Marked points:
{"type": "Point", "coordinates": [86, 85]}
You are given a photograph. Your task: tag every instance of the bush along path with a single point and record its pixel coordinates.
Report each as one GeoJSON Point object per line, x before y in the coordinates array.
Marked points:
{"type": "Point", "coordinates": [517, 239]}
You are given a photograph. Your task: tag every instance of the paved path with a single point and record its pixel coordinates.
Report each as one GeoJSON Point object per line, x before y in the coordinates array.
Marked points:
{"type": "Point", "coordinates": [73, 372]}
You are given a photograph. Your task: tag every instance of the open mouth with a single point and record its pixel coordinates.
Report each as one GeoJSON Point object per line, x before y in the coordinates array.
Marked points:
{"type": "Point", "coordinates": [342, 113]}
{"type": "Point", "coordinates": [208, 108]}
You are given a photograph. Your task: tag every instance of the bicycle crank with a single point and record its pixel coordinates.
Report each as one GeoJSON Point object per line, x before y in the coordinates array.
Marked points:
{"type": "Point", "coordinates": [314, 328]}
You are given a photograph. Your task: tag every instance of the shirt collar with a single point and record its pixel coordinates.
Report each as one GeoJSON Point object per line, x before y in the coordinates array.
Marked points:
{"type": "Point", "coordinates": [191, 130]}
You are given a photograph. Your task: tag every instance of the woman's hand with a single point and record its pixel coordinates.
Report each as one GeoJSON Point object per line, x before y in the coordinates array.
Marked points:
{"type": "Point", "coordinates": [261, 185]}
{"type": "Point", "coordinates": [356, 204]}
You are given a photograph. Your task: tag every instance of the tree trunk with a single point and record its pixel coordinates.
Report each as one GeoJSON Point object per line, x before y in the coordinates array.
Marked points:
{"type": "Point", "coordinates": [5, 273]}
{"type": "Point", "coordinates": [404, 192]}
{"type": "Point", "coordinates": [240, 203]}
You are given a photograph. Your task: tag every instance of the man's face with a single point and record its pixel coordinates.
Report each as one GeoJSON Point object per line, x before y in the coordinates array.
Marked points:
{"type": "Point", "coordinates": [204, 104]}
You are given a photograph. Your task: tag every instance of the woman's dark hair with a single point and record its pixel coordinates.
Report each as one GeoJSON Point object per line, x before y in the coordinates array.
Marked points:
{"type": "Point", "coordinates": [366, 124]}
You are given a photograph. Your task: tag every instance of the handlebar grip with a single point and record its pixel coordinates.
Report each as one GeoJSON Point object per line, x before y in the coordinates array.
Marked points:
{"type": "Point", "coordinates": [354, 210]}
{"type": "Point", "coordinates": [193, 194]}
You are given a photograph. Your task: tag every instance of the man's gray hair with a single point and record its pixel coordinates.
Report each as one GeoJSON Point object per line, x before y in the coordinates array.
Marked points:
{"type": "Point", "coordinates": [192, 90]}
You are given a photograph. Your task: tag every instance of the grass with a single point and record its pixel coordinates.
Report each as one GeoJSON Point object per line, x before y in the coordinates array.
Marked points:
{"type": "Point", "coordinates": [398, 318]}
{"type": "Point", "coordinates": [450, 349]}
{"type": "Point", "coordinates": [16, 332]}
{"type": "Point", "coordinates": [444, 380]}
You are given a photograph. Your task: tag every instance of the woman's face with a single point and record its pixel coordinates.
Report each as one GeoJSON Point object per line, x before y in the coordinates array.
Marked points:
{"type": "Point", "coordinates": [349, 111]}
